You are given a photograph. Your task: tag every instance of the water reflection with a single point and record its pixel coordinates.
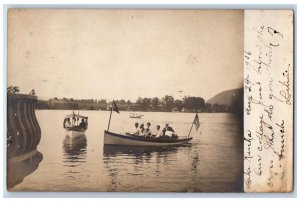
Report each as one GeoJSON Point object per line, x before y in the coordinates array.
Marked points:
{"type": "Point", "coordinates": [74, 150]}
{"type": "Point", "coordinates": [20, 167]}
{"type": "Point", "coordinates": [137, 162]}
{"type": "Point", "coordinates": [111, 151]}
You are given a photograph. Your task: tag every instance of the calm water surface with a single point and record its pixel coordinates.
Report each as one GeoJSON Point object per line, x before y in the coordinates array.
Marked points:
{"type": "Point", "coordinates": [213, 162]}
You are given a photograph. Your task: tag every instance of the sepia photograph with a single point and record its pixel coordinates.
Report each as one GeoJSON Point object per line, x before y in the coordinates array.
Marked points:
{"type": "Point", "coordinates": [125, 100]}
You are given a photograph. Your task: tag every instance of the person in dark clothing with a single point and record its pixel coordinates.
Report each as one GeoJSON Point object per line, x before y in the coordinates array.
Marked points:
{"type": "Point", "coordinates": [82, 124]}
{"type": "Point", "coordinates": [167, 128]}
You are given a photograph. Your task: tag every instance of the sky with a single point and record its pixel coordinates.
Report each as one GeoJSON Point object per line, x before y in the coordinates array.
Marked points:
{"type": "Point", "coordinates": [124, 54]}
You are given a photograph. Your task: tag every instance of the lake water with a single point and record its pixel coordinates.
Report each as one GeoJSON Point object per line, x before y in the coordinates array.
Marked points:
{"type": "Point", "coordinates": [213, 162]}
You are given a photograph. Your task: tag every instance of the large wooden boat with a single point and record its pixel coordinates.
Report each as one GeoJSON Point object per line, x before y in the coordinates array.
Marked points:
{"type": "Point", "coordinates": [111, 138]}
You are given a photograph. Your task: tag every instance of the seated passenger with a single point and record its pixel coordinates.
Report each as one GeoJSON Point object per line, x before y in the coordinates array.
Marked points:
{"type": "Point", "coordinates": [148, 130]}
{"type": "Point", "coordinates": [137, 130]}
{"type": "Point", "coordinates": [168, 128]}
{"type": "Point", "coordinates": [168, 131]}
{"type": "Point", "coordinates": [142, 128]}
{"type": "Point", "coordinates": [73, 121]}
{"type": "Point", "coordinates": [158, 132]}
{"type": "Point", "coordinates": [68, 123]}
{"type": "Point", "coordinates": [82, 124]}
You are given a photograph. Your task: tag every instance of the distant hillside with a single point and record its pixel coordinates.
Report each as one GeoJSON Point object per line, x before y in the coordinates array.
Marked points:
{"type": "Point", "coordinates": [229, 97]}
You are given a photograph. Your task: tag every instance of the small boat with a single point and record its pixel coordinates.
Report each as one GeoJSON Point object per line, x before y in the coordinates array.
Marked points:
{"type": "Point", "coordinates": [115, 139]}
{"type": "Point", "coordinates": [135, 116]}
{"type": "Point", "coordinates": [75, 125]}
{"type": "Point", "coordinates": [111, 138]}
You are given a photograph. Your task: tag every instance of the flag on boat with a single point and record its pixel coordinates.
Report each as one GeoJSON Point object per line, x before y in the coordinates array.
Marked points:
{"type": "Point", "coordinates": [196, 122]}
{"type": "Point", "coordinates": [115, 107]}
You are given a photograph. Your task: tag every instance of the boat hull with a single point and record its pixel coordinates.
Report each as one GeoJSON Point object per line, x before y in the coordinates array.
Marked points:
{"type": "Point", "coordinates": [74, 133]}
{"type": "Point", "coordinates": [126, 140]}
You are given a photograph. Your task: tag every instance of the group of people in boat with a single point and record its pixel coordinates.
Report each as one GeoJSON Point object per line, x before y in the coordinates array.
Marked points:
{"type": "Point", "coordinates": [75, 123]}
{"type": "Point", "coordinates": [141, 130]}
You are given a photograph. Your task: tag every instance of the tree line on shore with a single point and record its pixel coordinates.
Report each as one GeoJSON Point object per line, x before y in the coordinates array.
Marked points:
{"type": "Point", "coordinates": [166, 104]}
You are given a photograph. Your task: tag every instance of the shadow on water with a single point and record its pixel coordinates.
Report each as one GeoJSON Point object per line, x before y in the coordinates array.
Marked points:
{"type": "Point", "coordinates": [17, 171]}
{"type": "Point", "coordinates": [74, 150]}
